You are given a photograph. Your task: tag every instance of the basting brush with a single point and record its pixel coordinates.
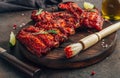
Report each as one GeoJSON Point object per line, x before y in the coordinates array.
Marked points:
{"type": "Point", "coordinates": [73, 49]}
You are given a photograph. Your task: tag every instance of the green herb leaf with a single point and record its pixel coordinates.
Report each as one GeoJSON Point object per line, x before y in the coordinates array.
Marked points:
{"type": "Point", "coordinates": [40, 32]}
{"type": "Point", "coordinates": [52, 31]}
{"type": "Point", "coordinates": [39, 11]}
{"type": "Point", "coordinates": [45, 32]}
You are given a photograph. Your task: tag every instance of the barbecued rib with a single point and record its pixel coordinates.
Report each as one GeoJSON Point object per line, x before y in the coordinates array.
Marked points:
{"type": "Point", "coordinates": [32, 43]}
{"type": "Point", "coordinates": [38, 40]}
{"type": "Point", "coordinates": [62, 23]}
{"type": "Point", "coordinates": [64, 15]}
{"type": "Point", "coordinates": [44, 15]}
{"type": "Point", "coordinates": [92, 19]}
{"type": "Point", "coordinates": [43, 35]}
{"type": "Point", "coordinates": [72, 8]}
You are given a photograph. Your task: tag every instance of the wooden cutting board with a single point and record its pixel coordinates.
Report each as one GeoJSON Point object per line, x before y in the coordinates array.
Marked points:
{"type": "Point", "coordinates": [56, 57]}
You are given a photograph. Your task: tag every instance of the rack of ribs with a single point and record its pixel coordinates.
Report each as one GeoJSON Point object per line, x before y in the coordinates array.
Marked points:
{"type": "Point", "coordinates": [53, 28]}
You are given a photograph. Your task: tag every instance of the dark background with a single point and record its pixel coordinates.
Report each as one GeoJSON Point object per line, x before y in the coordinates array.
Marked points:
{"type": "Point", "coordinates": [108, 68]}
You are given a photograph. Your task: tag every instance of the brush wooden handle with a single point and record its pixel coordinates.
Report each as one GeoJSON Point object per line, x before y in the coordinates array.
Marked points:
{"type": "Point", "coordinates": [89, 41]}
{"type": "Point", "coordinates": [94, 38]}
{"type": "Point", "coordinates": [109, 30]}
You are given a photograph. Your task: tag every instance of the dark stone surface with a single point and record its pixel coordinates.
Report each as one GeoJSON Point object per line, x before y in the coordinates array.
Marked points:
{"type": "Point", "coordinates": [108, 68]}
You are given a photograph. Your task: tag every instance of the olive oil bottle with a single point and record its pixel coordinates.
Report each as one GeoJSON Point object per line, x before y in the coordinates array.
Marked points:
{"type": "Point", "coordinates": [111, 9]}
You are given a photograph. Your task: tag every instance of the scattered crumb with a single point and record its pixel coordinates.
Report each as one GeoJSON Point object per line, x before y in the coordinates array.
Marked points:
{"type": "Point", "coordinates": [103, 44]}
{"type": "Point", "coordinates": [14, 26]}
{"type": "Point", "coordinates": [103, 39]}
{"type": "Point", "coordinates": [23, 24]}
{"type": "Point", "coordinates": [106, 45]}
{"type": "Point", "coordinates": [107, 58]}
{"type": "Point", "coordinates": [22, 14]}
{"type": "Point", "coordinates": [93, 73]}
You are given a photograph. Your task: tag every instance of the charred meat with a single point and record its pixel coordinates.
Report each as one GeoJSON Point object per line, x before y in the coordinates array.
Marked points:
{"type": "Point", "coordinates": [53, 28]}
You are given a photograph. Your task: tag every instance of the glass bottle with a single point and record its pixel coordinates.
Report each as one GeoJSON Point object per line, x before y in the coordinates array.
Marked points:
{"type": "Point", "coordinates": [111, 9]}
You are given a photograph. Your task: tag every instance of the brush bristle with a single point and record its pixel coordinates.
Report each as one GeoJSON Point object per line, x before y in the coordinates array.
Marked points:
{"type": "Point", "coordinates": [73, 49]}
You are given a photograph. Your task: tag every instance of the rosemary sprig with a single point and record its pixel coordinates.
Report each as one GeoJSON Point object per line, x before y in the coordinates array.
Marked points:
{"type": "Point", "coordinates": [40, 32]}
{"type": "Point", "coordinates": [39, 11]}
{"type": "Point", "coordinates": [45, 32]}
{"type": "Point", "coordinates": [52, 31]}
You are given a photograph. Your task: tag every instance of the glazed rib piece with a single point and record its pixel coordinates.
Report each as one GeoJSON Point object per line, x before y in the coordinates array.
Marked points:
{"type": "Point", "coordinates": [92, 19]}
{"type": "Point", "coordinates": [32, 43]}
{"type": "Point", "coordinates": [53, 28]}
{"type": "Point", "coordinates": [41, 34]}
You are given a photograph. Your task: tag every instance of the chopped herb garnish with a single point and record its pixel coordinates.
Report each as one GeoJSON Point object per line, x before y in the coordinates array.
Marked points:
{"type": "Point", "coordinates": [40, 32]}
{"type": "Point", "coordinates": [45, 32]}
{"type": "Point", "coordinates": [52, 31]}
{"type": "Point", "coordinates": [39, 11]}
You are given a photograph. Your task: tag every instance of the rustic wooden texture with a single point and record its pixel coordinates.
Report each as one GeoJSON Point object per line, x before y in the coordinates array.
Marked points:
{"type": "Point", "coordinates": [56, 57]}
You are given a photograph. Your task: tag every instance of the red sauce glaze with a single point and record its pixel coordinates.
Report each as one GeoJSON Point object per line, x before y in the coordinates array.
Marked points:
{"type": "Point", "coordinates": [68, 52]}
{"type": "Point", "coordinates": [63, 22]}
